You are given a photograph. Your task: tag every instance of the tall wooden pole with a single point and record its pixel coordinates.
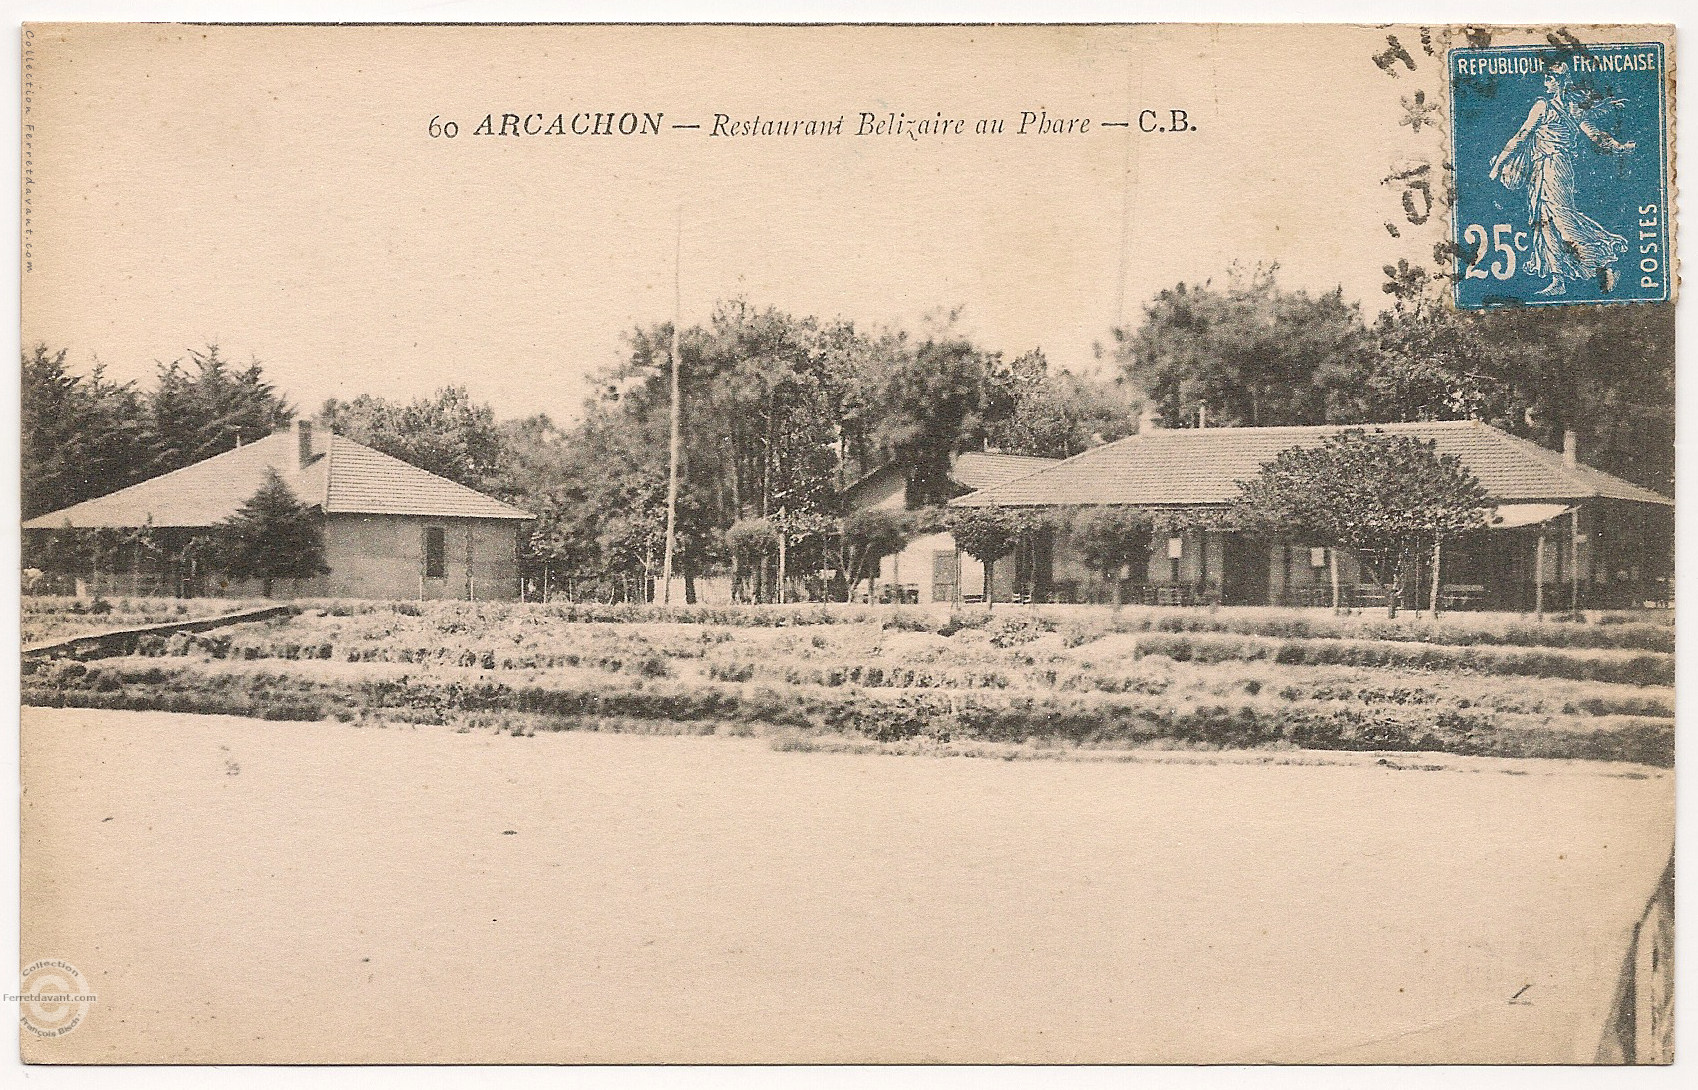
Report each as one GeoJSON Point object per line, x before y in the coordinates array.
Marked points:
{"type": "Point", "coordinates": [1574, 562]}
{"type": "Point", "coordinates": [1438, 562]}
{"type": "Point", "coordinates": [672, 437]}
{"type": "Point", "coordinates": [1539, 577]}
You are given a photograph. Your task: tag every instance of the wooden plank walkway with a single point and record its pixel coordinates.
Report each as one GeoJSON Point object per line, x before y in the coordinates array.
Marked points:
{"type": "Point", "coordinates": [120, 641]}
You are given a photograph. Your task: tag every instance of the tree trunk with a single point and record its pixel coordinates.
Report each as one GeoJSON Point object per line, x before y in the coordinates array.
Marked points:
{"type": "Point", "coordinates": [1032, 571]}
{"type": "Point", "coordinates": [689, 588]}
{"type": "Point", "coordinates": [990, 586]}
{"type": "Point", "coordinates": [1539, 577]}
{"type": "Point", "coordinates": [265, 586]}
{"type": "Point", "coordinates": [1119, 588]}
{"type": "Point", "coordinates": [1332, 564]}
{"type": "Point", "coordinates": [783, 553]}
{"type": "Point", "coordinates": [1438, 561]}
{"type": "Point", "coordinates": [1574, 563]}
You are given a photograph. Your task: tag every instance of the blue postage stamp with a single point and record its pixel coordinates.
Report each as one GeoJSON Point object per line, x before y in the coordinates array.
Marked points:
{"type": "Point", "coordinates": [1561, 179]}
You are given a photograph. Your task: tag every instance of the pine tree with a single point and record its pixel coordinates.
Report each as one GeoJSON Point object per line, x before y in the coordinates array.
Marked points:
{"type": "Point", "coordinates": [82, 435]}
{"type": "Point", "coordinates": [272, 536]}
{"type": "Point", "coordinates": [203, 407]}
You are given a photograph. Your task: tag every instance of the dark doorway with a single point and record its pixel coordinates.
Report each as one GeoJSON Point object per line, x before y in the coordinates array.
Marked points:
{"type": "Point", "coordinates": [1244, 571]}
{"type": "Point", "coordinates": [946, 574]}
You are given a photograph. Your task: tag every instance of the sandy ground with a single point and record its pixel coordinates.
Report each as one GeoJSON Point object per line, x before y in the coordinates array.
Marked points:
{"type": "Point", "coordinates": [247, 891]}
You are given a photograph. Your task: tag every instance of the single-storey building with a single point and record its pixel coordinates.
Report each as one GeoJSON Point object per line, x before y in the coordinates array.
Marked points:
{"type": "Point", "coordinates": [391, 530]}
{"type": "Point", "coordinates": [1558, 530]}
{"type": "Point", "coordinates": [930, 568]}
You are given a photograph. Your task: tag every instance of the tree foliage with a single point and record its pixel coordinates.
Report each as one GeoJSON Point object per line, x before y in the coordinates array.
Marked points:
{"type": "Point", "coordinates": [1257, 354]}
{"type": "Point", "coordinates": [83, 435]}
{"type": "Point", "coordinates": [936, 396]}
{"type": "Point", "coordinates": [752, 540]}
{"type": "Point", "coordinates": [1251, 352]}
{"type": "Point", "coordinates": [272, 536]}
{"type": "Point", "coordinates": [1606, 373]}
{"type": "Point", "coordinates": [751, 544]}
{"type": "Point", "coordinates": [448, 434]}
{"type": "Point", "coordinates": [988, 534]}
{"type": "Point", "coordinates": [202, 406]}
{"type": "Point", "coordinates": [1110, 538]}
{"type": "Point", "coordinates": [781, 412]}
{"type": "Point", "coordinates": [870, 535]}
{"type": "Point", "coordinates": [1386, 498]}
{"type": "Point", "coordinates": [1052, 414]}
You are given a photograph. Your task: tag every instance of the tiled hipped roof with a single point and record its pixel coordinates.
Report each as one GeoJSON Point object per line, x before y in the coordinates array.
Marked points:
{"type": "Point", "coordinates": [341, 476]}
{"type": "Point", "coordinates": [1204, 466]}
{"type": "Point", "coordinates": [977, 469]}
{"type": "Point", "coordinates": [366, 481]}
{"type": "Point", "coordinates": [971, 470]}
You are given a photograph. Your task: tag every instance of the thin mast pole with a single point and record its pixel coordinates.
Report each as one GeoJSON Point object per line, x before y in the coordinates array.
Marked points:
{"type": "Point", "coordinates": [1127, 167]}
{"type": "Point", "coordinates": [672, 438]}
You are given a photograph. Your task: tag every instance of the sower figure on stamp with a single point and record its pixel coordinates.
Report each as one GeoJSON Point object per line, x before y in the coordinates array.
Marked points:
{"type": "Point", "coordinates": [1567, 244]}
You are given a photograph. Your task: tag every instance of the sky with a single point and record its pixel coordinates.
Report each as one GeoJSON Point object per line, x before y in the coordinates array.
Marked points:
{"type": "Point", "coordinates": [277, 190]}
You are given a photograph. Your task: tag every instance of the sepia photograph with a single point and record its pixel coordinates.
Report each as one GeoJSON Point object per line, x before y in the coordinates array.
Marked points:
{"type": "Point", "coordinates": [847, 544]}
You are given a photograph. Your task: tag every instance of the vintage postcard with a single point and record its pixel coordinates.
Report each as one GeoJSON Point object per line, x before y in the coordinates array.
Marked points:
{"type": "Point", "coordinates": [838, 544]}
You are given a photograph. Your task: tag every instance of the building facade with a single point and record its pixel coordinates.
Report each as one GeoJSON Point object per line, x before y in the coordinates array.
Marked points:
{"type": "Point", "coordinates": [390, 529]}
{"type": "Point", "coordinates": [930, 568]}
{"type": "Point", "coordinates": [1559, 533]}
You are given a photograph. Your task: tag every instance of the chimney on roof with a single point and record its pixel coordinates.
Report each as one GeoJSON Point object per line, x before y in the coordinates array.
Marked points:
{"type": "Point", "coordinates": [1570, 448]}
{"type": "Point", "coordinates": [303, 433]}
{"type": "Point", "coordinates": [1149, 419]}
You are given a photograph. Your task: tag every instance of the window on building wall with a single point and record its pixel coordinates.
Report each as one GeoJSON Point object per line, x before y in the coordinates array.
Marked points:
{"type": "Point", "coordinates": [436, 552]}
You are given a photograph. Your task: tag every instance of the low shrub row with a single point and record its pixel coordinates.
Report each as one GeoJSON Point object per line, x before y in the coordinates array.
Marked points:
{"type": "Point", "coordinates": [1083, 720]}
{"type": "Point", "coordinates": [895, 676]}
{"type": "Point", "coordinates": [48, 618]}
{"type": "Point", "coordinates": [921, 670]}
{"type": "Point", "coordinates": [1649, 668]}
{"type": "Point", "coordinates": [181, 644]}
{"type": "Point", "coordinates": [162, 608]}
{"type": "Point", "coordinates": [735, 616]}
{"type": "Point", "coordinates": [1625, 636]}
{"type": "Point", "coordinates": [1011, 625]}
{"type": "Point", "coordinates": [1517, 700]}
